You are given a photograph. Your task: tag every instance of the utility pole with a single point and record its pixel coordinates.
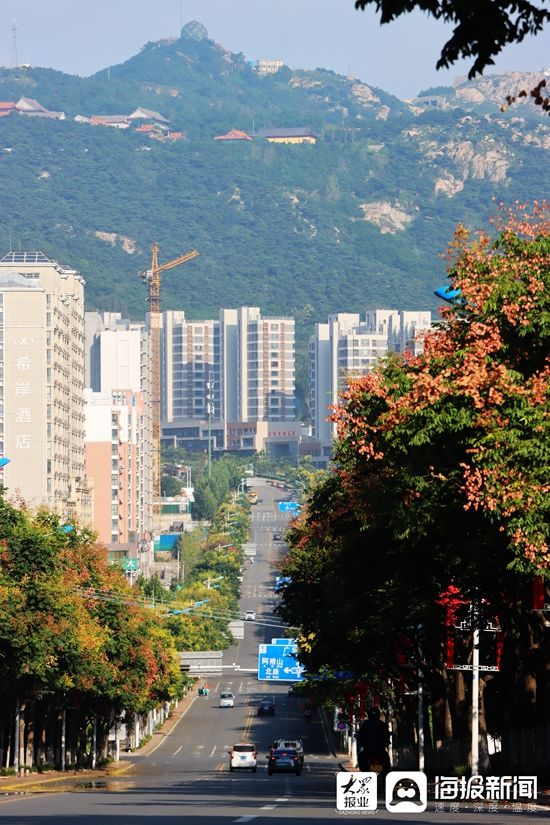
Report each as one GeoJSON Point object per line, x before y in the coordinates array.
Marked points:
{"type": "Point", "coordinates": [14, 57]}
{"type": "Point", "coordinates": [209, 405]}
{"type": "Point", "coordinates": [475, 699]}
{"type": "Point", "coordinates": [421, 748]}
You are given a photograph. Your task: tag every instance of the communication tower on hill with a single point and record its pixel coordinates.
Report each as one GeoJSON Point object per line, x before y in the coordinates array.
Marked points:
{"type": "Point", "coordinates": [152, 279]}
{"type": "Point", "coordinates": [14, 57]}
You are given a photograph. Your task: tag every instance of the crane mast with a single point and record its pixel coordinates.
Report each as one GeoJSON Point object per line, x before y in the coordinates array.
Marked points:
{"type": "Point", "coordinates": [153, 280]}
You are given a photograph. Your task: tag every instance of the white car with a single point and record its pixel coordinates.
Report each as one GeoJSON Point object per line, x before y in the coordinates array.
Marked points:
{"type": "Point", "coordinates": [249, 615]}
{"type": "Point", "coordinates": [227, 700]}
{"type": "Point", "coordinates": [243, 755]}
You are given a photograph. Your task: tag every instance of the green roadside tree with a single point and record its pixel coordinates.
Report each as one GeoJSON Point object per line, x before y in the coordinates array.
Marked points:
{"type": "Point", "coordinates": [440, 479]}
{"type": "Point", "coordinates": [72, 636]}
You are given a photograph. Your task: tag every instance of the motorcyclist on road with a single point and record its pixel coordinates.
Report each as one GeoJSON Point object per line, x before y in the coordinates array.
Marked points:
{"type": "Point", "coordinates": [373, 740]}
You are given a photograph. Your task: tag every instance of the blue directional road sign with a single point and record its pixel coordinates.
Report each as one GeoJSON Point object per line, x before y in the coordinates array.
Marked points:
{"type": "Point", "coordinates": [277, 663]}
{"type": "Point", "coordinates": [288, 506]}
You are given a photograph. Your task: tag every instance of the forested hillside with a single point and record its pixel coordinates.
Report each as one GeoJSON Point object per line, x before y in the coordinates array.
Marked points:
{"type": "Point", "coordinates": [358, 219]}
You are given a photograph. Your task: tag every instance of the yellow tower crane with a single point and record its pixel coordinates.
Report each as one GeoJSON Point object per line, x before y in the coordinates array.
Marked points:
{"type": "Point", "coordinates": [152, 279]}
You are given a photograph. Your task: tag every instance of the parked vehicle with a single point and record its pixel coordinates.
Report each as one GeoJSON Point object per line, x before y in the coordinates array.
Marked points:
{"type": "Point", "coordinates": [284, 759]}
{"type": "Point", "coordinates": [266, 707]}
{"type": "Point", "coordinates": [243, 755]}
{"type": "Point", "coordinates": [227, 700]}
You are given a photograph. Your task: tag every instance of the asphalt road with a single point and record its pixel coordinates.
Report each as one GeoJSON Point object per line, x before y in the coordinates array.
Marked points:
{"type": "Point", "coordinates": [186, 779]}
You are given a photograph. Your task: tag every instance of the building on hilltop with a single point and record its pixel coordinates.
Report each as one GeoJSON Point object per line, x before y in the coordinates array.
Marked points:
{"type": "Point", "coordinates": [148, 114]}
{"type": "Point", "coordinates": [347, 347]}
{"type": "Point", "coordinates": [32, 108]}
{"type": "Point", "coordinates": [28, 104]}
{"type": "Point", "coordinates": [266, 65]}
{"type": "Point", "coordinates": [287, 135]}
{"type": "Point", "coordinates": [114, 121]}
{"type": "Point", "coordinates": [42, 386]}
{"type": "Point", "coordinates": [233, 135]}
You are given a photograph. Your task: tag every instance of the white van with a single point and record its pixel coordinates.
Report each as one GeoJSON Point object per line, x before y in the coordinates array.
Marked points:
{"type": "Point", "coordinates": [227, 700]}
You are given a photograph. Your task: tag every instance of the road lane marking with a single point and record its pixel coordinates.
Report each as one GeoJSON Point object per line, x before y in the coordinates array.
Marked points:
{"type": "Point", "coordinates": [178, 750]}
{"type": "Point", "coordinates": [245, 819]}
{"type": "Point", "coordinates": [212, 752]}
{"type": "Point", "coordinates": [162, 740]}
{"type": "Point", "coordinates": [248, 724]}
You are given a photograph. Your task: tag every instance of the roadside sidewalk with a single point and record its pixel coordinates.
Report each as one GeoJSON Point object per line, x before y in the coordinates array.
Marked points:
{"type": "Point", "coordinates": [57, 780]}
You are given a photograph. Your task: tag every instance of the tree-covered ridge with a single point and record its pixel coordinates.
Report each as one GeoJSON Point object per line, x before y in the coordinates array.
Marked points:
{"type": "Point", "coordinates": [357, 220]}
{"type": "Point", "coordinates": [440, 491]}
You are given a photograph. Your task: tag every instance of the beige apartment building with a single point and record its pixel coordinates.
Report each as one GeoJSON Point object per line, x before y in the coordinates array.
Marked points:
{"type": "Point", "coordinates": [116, 455]}
{"type": "Point", "coordinates": [42, 384]}
{"type": "Point", "coordinates": [119, 446]}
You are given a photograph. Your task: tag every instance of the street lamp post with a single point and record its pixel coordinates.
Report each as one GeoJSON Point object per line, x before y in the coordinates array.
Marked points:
{"type": "Point", "coordinates": [209, 409]}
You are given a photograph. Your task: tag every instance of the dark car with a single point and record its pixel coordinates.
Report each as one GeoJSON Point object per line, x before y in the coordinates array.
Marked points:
{"type": "Point", "coordinates": [284, 759]}
{"type": "Point", "coordinates": [266, 707]}
{"type": "Point", "coordinates": [290, 744]}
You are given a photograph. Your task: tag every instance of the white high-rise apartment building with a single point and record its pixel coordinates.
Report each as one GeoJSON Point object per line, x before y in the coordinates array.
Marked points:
{"type": "Point", "coordinates": [347, 346]}
{"type": "Point", "coordinates": [119, 444]}
{"type": "Point", "coordinates": [237, 369]}
{"type": "Point", "coordinates": [258, 366]}
{"type": "Point", "coordinates": [42, 383]}
{"type": "Point", "coordinates": [191, 368]}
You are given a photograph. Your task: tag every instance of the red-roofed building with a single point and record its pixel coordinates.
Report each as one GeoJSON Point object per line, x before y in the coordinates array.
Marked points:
{"type": "Point", "coordinates": [234, 134]}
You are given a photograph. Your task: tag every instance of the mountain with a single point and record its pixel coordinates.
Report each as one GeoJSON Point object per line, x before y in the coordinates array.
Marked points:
{"type": "Point", "coordinates": [359, 219]}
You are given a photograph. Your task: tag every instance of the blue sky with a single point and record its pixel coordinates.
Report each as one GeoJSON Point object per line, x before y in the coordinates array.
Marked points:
{"type": "Point", "coordinates": [83, 36]}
